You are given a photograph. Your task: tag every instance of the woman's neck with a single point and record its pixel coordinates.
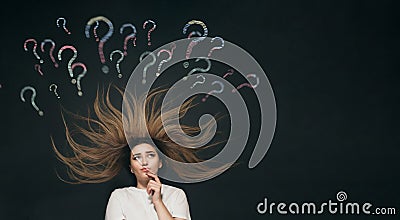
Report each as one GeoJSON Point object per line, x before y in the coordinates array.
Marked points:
{"type": "Point", "coordinates": [142, 184]}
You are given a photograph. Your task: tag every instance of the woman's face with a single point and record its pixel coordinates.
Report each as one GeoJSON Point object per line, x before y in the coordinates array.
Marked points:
{"type": "Point", "coordinates": [143, 158]}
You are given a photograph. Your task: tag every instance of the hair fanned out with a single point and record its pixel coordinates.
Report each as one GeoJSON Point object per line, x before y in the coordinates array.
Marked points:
{"type": "Point", "coordinates": [103, 152]}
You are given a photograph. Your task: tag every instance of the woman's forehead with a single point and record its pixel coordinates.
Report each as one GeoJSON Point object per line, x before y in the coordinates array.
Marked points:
{"type": "Point", "coordinates": [142, 148]}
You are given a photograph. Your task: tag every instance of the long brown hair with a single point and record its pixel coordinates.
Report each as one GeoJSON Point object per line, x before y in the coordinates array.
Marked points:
{"type": "Point", "coordinates": [105, 150]}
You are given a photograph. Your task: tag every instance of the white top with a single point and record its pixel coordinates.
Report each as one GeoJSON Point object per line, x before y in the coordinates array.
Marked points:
{"type": "Point", "coordinates": [131, 203]}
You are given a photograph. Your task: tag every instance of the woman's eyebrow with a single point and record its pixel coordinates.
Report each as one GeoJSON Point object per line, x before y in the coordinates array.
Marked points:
{"type": "Point", "coordinates": [141, 153]}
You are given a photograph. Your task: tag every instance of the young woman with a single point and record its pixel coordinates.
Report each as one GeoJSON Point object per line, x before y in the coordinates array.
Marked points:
{"type": "Point", "coordinates": [150, 199]}
{"type": "Point", "coordinates": [102, 150]}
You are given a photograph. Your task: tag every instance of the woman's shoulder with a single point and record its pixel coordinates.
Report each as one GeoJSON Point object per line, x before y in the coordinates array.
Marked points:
{"type": "Point", "coordinates": [123, 190]}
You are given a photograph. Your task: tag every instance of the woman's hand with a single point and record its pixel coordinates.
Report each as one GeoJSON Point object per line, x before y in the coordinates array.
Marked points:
{"type": "Point", "coordinates": [154, 187]}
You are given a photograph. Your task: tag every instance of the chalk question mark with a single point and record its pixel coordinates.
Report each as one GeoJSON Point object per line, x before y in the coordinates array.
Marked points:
{"type": "Point", "coordinates": [151, 30]}
{"type": "Point", "coordinates": [34, 48]}
{"type": "Point", "coordinates": [148, 65]}
{"type": "Point", "coordinates": [129, 37]}
{"type": "Point", "coordinates": [118, 61]}
{"type": "Point", "coordinates": [38, 68]}
{"type": "Point", "coordinates": [71, 73]}
{"type": "Point", "coordinates": [95, 31]}
{"type": "Point", "coordinates": [103, 40]}
{"type": "Point", "coordinates": [53, 45]}
{"type": "Point", "coordinates": [195, 41]}
{"type": "Point", "coordinates": [78, 79]}
{"type": "Point", "coordinates": [32, 98]}
{"type": "Point", "coordinates": [199, 69]}
{"type": "Point", "coordinates": [199, 82]}
{"type": "Point", "coordinates": [248, 84]}
{"type": "Point", "coordinates": [218, 47]}
{"type": "Point", "coordinates": [64, 23]}
{"type": "Point", "coordinates": [186, 64]}
{"type": "Point", "coordinates": [170, 53]}
{"type": "Point", "coordinates": [194, 33]}
{"type": "Point", "coordinates": [53, 87]}
{"type": "Point", "coordinates": [214, 91]}
{"type": "Point", "coordinates": [229, 73]}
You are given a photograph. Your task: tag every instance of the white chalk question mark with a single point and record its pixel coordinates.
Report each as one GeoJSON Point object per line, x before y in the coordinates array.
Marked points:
{"type": "Point", "coordinates": [148, 65]}
{"type": "Point", "coordinates": [53, 87]}
{"type": "Point", "coordinates": [199, 82]}
{"type": "Point", "coordinates": [78, 79]}
{"type": "Point", "coordinates": [118, 61]}
{"type": "Point", "coordinates": [32, 98]}
{"type": "Point", "coordinates": [200, 69]}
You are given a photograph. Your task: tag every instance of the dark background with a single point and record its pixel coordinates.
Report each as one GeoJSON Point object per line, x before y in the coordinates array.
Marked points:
{"type": "Point", "coordinates": [333, 66]}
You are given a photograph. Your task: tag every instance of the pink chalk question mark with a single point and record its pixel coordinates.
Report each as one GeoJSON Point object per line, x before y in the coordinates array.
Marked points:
{"type": "Point", "coordinates": [129, 37]}
{"type": "Point", "coordinates": [34, 48]}
{"type": "Point", "coordinates": [38, 68]}
{"type": "Point", "coordinates": [195, 41]}
{"type": "Point", "coordinates": [103, 40]}
{"type": "Point", "coordinates": [53, 45]}
{"type": "Point", "coordinates": [199, 82]}
{"type": "Point", "coordinates": [229, 73]}
{"type": "Point", "coordinates": [64, 23]}
{"type": "Point", "coordinates": [21, 94]}
{"type": "Point", "coordinates": [170, 53]}
{"type": "Point", "coordinates": [118, 61]}
{"type": "Point", "coordinates": [151, 30]}
{"type": "Point", "coordinates": [214, 91]}
{"type": "Point", "coordinates": [66, 47]}
{"type": "Point", "coordinates": [248, 84]}
{"type": "Point", "coordinates": [78, 79]}
{"type": "Point", "coordinates": [218, 47]}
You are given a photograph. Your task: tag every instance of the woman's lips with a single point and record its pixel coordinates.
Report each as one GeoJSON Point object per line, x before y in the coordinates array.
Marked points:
{"type": "Point", "coordinates": [145, 169]}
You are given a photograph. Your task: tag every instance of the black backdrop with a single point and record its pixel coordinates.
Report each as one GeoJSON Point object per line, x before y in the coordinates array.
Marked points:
{"type": "Point", "coordinates": [332, 66]}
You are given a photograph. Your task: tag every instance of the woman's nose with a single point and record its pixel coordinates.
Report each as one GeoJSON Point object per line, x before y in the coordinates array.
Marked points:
{"type": "Point", "coordinates": [144, 161]}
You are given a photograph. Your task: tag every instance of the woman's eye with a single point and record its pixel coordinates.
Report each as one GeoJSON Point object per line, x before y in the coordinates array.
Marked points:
{"type": "Point", "coordinates": [136, 157]}
{"type": "Point", "coordinates": [151, 155]}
